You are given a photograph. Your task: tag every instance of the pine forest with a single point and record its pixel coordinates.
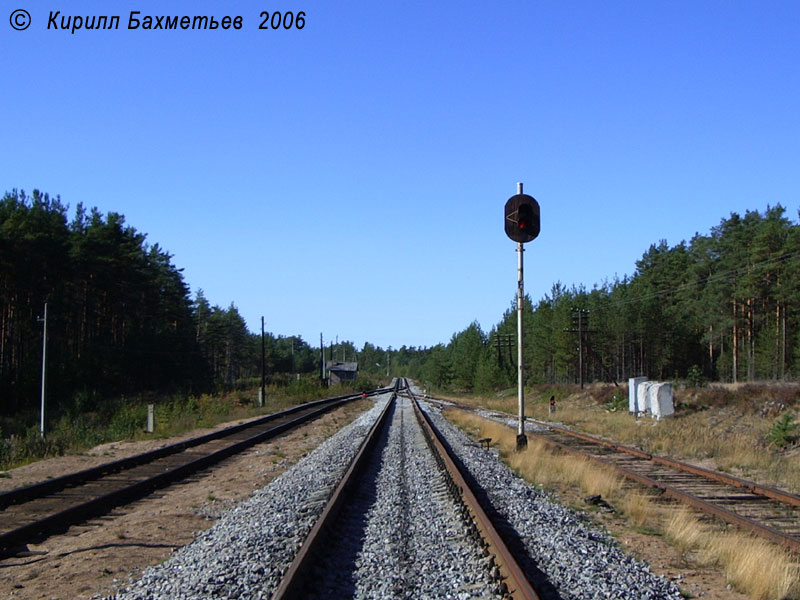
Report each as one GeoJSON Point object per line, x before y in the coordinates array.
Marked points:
{"type": "Point", "coordinates": [724, 306]}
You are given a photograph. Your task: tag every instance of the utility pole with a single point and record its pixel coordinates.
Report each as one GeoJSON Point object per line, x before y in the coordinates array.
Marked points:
{"type": "Point", "coordinates": [580, 319]}
{"type": "Point", "coordinates": [321, 359]}
{"type": "Point", "coordinates": [580, 346]}
{"type": "Point", "coordinates": [43, 320]}
{"type": "Point", "coordinates": [503, 340]}
{"type": "Point", "coordinates": [262, 393]}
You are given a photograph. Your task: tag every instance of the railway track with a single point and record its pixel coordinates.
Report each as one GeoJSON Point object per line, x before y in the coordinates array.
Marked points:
{"type": "Point", "coordinates": [421, 530]}
{"type": "Point", "coordinates": [33, 512]}
{"type": "Point", "coordinates": [765, 511]}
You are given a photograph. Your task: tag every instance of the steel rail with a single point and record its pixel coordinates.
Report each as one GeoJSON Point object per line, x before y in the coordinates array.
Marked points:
{"type": "Point", "coordinates": [296, 577]}
{"type": "Point", "coordinates": [62, 519]}
{"type": "Point", "coordinates": [515, 579]}
{"type": "Point", "coordinates": [790, 542]}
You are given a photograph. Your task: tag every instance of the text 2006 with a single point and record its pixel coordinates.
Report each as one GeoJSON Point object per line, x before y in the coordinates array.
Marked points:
{"type": "Point", "coordinates": [279, 20]}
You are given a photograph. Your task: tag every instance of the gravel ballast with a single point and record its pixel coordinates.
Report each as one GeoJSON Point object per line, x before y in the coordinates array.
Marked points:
{"type": "Point", "coordinates": [576, 560]}
{"type": "Point", "coordinates": [402, 534]}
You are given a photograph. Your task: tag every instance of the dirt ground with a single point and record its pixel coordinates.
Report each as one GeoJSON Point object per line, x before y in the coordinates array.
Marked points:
{"type": "Point", "coordinates": [98, 557]}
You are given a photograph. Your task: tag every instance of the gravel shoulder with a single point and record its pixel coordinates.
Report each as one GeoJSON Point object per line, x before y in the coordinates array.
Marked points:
{"type": "Point", "coordinates": [98, 557]}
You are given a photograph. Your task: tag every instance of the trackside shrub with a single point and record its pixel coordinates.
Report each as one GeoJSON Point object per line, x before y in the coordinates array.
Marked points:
{"type": "Point", "coordinates": [5, 450]}
{"type": "Point", "coordinates": [695, 377]}
{"type": "Point", "coordinates": [127, 420]}
{"type": "Point", "coordinates": [618, 403]}
{"type": "Point", "coordinates": [781, 432]}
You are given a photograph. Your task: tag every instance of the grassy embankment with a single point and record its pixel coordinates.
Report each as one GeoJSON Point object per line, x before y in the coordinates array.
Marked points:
{"type": "Point", "coordinates": [740, 424]}
{"type": "Point", "coordinates": [85, 425]}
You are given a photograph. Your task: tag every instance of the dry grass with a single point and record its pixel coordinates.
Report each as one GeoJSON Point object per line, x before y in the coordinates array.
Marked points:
{"type": "Point", "coordinates": [539, 463]}
{"type": "Point", "coordinates": [641, 510]}
{"type": "Point", "coordinates": [684, 531]}
{"type": "Point", "coordinates": [760, 569]}
{"type": "Point", "coordinates": [725, 425]}
{"type": "Point", "coordinates": [756, 567]}
{"type": "Point", "coordinates": [753, 565]}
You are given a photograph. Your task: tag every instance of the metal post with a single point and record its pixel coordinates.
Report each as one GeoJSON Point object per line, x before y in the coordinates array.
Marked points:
{"type": "Point", "coordinates": [262, 393]}
{"type": "Point", "coordinates": [44, 367]}
{"type": "Point", "coordinates": [580, 346]}
{"type": "Point", "coordinates": [321, 359]}
{"type": "Point", "coordinates": [522, 440]}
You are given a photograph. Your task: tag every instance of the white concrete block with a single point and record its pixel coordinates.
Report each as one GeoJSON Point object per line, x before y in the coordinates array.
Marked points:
{"type": "Point", "coordinates": [662, 400]}
{"type": "Point", "coordinates": [642, 396]}
{"type": "Point", "coordinates": [633, 396]}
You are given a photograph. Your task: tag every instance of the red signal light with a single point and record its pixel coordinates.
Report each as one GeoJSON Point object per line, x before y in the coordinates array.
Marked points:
{"type": "Point", "coordinates": [524, 217]}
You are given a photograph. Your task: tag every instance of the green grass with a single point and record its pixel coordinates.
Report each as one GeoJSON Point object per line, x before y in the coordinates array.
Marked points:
{"type": "Point", "coordinates": [89, 422]}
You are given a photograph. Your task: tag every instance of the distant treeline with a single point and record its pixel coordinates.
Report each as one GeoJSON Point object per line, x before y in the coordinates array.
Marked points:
{"type": "Point", "coordinates": [724, 306]}
{"type": "Point", "coordinates": [120, 316]}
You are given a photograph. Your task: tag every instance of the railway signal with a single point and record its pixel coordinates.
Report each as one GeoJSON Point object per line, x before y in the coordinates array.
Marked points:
{"type": "Point", "coordinates": [522, 225]}
{"type": "Point", "coordinates": [522, 218]}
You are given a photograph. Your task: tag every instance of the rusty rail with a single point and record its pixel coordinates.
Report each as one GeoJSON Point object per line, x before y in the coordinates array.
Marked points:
{"type": "Point", "coordinates": [707, 507]}
{"type": "Point", "coordinates": [295, 579]}
{"type": "Point", "coordinates": [518, 586]}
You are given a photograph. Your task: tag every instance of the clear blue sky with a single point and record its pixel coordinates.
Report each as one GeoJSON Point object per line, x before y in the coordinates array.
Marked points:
{"type": "Point", "coordinates": [349, 178]}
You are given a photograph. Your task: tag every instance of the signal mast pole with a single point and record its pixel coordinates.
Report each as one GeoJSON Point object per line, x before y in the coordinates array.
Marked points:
{"type": "Point", "coordinates": [522, 224]}
{"type": "Point", "coordinates": [522, 440]}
